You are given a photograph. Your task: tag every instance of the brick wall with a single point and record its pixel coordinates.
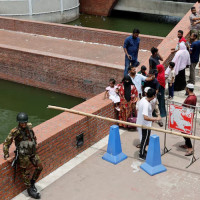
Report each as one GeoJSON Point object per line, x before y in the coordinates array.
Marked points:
{"type": "Point", "coordinates": [57, 141]}
{"type": "Point", "coordinates": [171, 39]}
{"type": "Point", "coordinates": [75, 33]}
{"type": "Point", "coordinates": [97, 7]}
{"type": "Point", "coordinates": [68, 75]}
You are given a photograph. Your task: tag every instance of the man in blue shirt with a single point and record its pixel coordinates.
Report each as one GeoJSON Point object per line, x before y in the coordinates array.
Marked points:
{"type": "Point", "coordinates": [194, 56]}
{"type": "Point", "coordinates": [131, 48]}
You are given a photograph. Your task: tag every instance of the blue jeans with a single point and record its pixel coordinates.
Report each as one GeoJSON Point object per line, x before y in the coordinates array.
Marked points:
{"type": "Point", "coordinates": [171, 90]}
{"type": "Point", "coordinates": [134, 63]}
{"type": "Point", "coordinates": [161, 100]}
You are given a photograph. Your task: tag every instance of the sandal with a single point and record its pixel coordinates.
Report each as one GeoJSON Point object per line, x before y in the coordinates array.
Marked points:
{"type": "Point", "coordinates": [138, 146]}
{"type": "Point", "coordinates": [183, 146]}
{"type": "Point", "coordinates": [189, 153]}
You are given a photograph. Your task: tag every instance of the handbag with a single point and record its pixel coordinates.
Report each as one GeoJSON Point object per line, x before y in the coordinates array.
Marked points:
{"type": "Point", "coordinates": [132, 120]}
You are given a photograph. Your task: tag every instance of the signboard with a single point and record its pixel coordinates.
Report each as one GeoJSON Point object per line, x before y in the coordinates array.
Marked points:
{"type": "Point", "coordinates": [181, 118]}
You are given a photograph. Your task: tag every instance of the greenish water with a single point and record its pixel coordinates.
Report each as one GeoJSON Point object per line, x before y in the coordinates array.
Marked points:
{"type": "Point", "coordinates": [17, 98]}
{"type": "Point", "coordinates": [126, 23]}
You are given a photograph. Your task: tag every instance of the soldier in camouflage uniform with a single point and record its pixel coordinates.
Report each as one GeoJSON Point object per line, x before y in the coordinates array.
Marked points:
{"type": "Point", "coordinates": [25, 142]}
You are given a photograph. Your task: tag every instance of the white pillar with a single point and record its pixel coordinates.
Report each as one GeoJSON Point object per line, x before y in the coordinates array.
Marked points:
{"type": "Point", "coordinates": [30, 7]}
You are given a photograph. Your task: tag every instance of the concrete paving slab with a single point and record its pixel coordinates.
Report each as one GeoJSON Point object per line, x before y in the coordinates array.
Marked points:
{"type": "Point", "coordinates": [97, 179]}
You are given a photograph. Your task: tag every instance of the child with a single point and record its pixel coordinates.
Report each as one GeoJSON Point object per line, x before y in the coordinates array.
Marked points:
{"type": "Point", "coordinates": [111, 93]}
{"type": "Point", "coordinates": [171, 79]}
{"type": "Point", "coordinates": [143, 71]}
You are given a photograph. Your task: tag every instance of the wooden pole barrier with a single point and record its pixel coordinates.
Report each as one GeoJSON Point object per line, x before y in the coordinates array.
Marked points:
{"type": "Point", "coordinates": [123, 122]}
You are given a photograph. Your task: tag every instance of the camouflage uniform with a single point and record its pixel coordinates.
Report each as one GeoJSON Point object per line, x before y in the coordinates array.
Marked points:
{"type": "Point", "coordinates": [27, 153]}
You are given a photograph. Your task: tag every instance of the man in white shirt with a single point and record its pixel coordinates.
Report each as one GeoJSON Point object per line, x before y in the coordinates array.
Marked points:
{"type": "Point", "coordinates": [137, 79]}
{"type": "Point", "coordinates": [145, 118]}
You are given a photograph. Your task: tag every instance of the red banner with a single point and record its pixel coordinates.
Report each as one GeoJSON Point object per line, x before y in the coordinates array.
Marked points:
{"type": "Point", "coordinates": [181, 118]}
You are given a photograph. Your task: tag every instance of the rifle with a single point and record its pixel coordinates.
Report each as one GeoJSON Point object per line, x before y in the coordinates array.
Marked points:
{"type": "Point", "coordinates": [14, 162]}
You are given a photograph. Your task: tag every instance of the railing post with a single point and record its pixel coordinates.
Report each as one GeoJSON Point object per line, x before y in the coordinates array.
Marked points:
{"type": "Point", "coordinates": [30, 7]}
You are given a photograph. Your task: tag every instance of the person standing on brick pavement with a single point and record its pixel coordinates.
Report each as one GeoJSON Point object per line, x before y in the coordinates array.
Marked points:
{"type": "Point", "coordinates": [161, 92]}
{"type": "Point", "coordinates": [155, 58]}
{"type": "Point", "coordinates": [128, 99]}
{"type": "Point", "coordinates": [25, 142]}
{"type": "Point", "coordinates": [191, 100]}
{"type": "Point", "coordinates": [171, 79]}
{"type": "Point", "coordinates": [145, 118]}
{"type": "Point", "coordinates": [131, 49]}
{"type": "Point", "coordinates": [155, 109]}
{"type": "Point", "coordinates": [154, 82]}
{"type": "Point", "coordinates": [180, 39]}
{"type": "Point", "coordinates": [194, 21]}
{"type": "Point", "coordinates": [137, 79]}
{"type": "Point", "coordinates": [194, 56]}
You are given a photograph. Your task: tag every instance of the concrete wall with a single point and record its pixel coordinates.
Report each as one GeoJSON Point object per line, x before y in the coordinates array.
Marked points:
{"type": "Point", "coordinates": [60, 11]}
{"type": "Point", "coordinates": [159, 7]}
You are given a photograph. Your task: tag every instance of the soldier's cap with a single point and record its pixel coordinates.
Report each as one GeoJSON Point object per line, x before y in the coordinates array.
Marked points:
{"type": "Point", "coordinates": [146, 89]}
{"type": "Point", "coordinates": [190, 86]}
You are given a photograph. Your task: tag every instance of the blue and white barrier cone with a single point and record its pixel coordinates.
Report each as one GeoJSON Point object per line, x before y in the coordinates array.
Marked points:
{"type": "Point", "coordinates": [114, 150]}
{"type": "Point", "coordinates": [153, 163]}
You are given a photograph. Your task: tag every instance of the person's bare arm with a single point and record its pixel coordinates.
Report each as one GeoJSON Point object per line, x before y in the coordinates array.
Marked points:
{"type": "Point", "coordinates": [125, 51]}
{"type": "Point", "coordinates": [196, 22]}
{"type": "Point", "coordinates": [150, 78]}
{"type": "Point", "coordinates": [172, 81]}
{"type": "Point", "coordinates": [152, 119]}
{"type": "Point", "coordinates": [161, 58]}
{"type": "Point", "coordinates": [195, 18]}
{"type": "Point", "coordinates": [105, 94]}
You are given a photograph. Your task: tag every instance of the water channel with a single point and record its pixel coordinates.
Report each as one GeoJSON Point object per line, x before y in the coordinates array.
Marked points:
{"type": "Point", "coordinates": [16, 98]}
{"type": "Point", "coordinates": [125, 22]}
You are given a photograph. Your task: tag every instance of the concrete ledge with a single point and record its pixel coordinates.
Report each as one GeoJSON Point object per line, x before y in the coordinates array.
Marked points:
{"type": "Point", "coordinates": [159, 7]}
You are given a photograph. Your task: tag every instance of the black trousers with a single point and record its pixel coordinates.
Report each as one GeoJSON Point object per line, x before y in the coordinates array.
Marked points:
{"type": "Point", "coordinates": [188, 142]}
{"type": "Point", "coordinates": [145, 139]}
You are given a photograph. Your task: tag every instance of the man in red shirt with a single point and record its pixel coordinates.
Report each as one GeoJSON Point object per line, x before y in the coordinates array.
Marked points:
{"type": "Point", "coordinates": [191, 100]}
{"type": "Point", "coordinates": [180, 39]}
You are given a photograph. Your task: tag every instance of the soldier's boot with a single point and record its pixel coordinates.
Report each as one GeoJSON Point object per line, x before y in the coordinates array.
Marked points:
{"type": "Point", "coordinates": [33, 185]}
{"type": "Point", "coordinates": [32, 193]}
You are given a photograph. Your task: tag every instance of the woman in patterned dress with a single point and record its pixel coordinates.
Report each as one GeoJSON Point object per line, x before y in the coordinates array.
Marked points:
{"type": "Point", "coordinates": [128, 99]}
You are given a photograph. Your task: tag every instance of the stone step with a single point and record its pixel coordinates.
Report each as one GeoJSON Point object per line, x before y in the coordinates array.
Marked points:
{"type": "Point", "coordinates": [197, 77]}
{"type": "Point", "coordinates": [196, 87]}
